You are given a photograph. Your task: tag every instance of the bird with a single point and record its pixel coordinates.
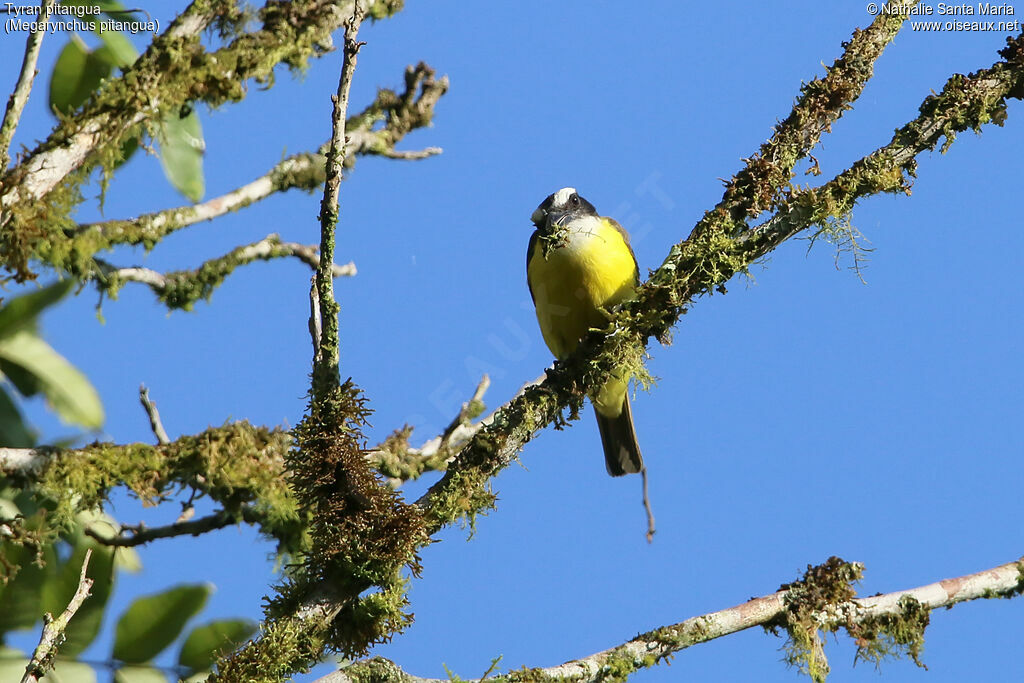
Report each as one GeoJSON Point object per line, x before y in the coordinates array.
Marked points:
{"type": "Point", "coordinates": [579, 265]}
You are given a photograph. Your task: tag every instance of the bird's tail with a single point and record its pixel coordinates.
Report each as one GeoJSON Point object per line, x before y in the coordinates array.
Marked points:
{"type": "Point", "coordinates": [621, 451]}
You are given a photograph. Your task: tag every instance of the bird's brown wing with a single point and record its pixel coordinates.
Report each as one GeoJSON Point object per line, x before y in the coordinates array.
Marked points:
{"type": "Point", "coordinates": [529, 253]}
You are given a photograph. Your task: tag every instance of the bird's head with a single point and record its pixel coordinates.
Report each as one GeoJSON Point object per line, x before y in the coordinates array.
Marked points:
{"type": "Point", "coordinates": [559, 209]}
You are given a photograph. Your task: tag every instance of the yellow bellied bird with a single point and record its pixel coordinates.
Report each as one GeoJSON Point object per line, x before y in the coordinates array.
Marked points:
{"type": "Point", "coordinates": [578, 266]}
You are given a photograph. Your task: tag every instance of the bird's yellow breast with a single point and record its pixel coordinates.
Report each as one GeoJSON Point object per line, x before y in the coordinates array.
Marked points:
{"type": "Point", "coordinates": [588, 268]}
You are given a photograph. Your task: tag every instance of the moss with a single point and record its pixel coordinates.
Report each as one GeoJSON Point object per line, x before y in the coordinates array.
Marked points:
{"type": "Point", "coordinates": [383, 9]}
{"type": "Point", "coordinates": [36, 224]}
{"type": "Point", "coordinates": [362, 533]}
{"type": "Point", "coordinates": [173, 72]}
{"type": "Point", "coordinates": [892, 635]}
{"type": "Point", "coordinates": [375, 670]}
{"type": "Point", "coordinates": [465, 493]}
{"type": "Point", "coordinates": [285, 647]}
{"type": "Point", "coordinates": [821, 589]}
{"type": "Point", "coordinates": [236, 465]}
{"type": "Point", "coordinates": [846, 239]}
{"type": "Point", "coordinates": [27, 540]}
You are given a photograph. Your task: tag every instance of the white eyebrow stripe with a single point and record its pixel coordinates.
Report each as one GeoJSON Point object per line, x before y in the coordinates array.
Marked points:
{"type": "Point", "coordinates": [562, 196]}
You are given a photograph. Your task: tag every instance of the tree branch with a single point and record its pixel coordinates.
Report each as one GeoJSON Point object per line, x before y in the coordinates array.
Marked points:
{"type": "Point", "coordinates": [399, 113]}
{"type": "Point", "coordinates": [146, 91]}
{"type": "Point", "coordinates": [871, 621]}
{"type": "Point", "coordinates": [892, 168]}
{"type": "Point", "coordinates": [154, 416]}
{"type": "Point", "coordinates": [53, 631]}
{"type": "Point", "coordinates": [140, 534]}
{"type": "Point", "coordinates": [399, 462]}
{"type": "Point", "coordinates": [81, 479]}
{"type": "Point", "coordinates": [18, 99]}
{"type": "Point", "coordinates": [289, 32]}
{"type": "Point", "coordinates": [325, 363]}
{"type": "Point", "coordinates": [183, 288]}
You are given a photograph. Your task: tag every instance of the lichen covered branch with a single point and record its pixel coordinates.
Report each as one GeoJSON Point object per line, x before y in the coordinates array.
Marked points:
{"type": "Point", "coordinates": [821, 601]}
{"type": "Point", "coordinates": [239, 466]}
{"type": "Point", "coordinates": [183, 288]}
{"type": "Point", "coordinates": [325, 364]}
{"type": "Point", "coordinates": [19, 97]}
{"type": "Point", "coordinates": [374, 131]}
{"type": "Point", "coordinates": [53, 631]}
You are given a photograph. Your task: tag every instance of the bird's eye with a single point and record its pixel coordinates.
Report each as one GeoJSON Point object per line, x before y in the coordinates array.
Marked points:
{"type": "Point", "coordinates": [574, 200]}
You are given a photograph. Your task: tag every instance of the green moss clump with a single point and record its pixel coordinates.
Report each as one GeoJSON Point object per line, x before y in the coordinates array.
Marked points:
{"type": "Point", "coordinates": [237, 465]}
{"type": "Point", "coordinates": [285, 647]}
{"type": "Point", "coordinates": [893, 635]}
{"type": "Point", "coordinates": [822, 588]}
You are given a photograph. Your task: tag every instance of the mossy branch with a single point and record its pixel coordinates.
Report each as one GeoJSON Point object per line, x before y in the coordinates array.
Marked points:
{"type": "Point", "coordinates": [361, 532]}
{"type": "Point", "coordinates": [181, 289]}
{"type": "Point", "coordinates": [174, 72]}
{"type": "Point", "coordinates": [374, 131]}
{"type": "Point", "coordinates": [965, 103]}
{"type": "Point", "coordinates": [325, 360]}
{"type": "Point", "coordinates": [399, 461]}
{"type": "Point", "coordinates": [19, 97]}
{"type": "Point", "coordinates": [822, 600]}
{"type": "Point", "coordinates": [238, 465]}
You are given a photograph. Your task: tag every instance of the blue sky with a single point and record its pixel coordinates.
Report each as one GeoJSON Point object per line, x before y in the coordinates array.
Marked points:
{"type": "Point", "coordinates": [802, 415]}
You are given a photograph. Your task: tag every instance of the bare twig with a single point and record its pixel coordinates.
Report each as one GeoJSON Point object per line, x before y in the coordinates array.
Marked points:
{"type": "Point", "coordinates": [16, 103]}
{"type": "Point", "coordinates": [652, 647]}
{"type": "Point", "coordinates": [154, 416]}
{"type": "Point", "coordinates": [325, 364]}
{"type": "Point", "coordinates": [469, 410]}
{"type": "Point", "coordinates": [53, 630]}
{"type": "Point", "coordinates": [399, 462]}
{"type": "Point", "coordinates": [411, 155]}
{"type": "Point", "coordinates": [140, 534]}
{"type": "Point", "coordinates": [297, 171]}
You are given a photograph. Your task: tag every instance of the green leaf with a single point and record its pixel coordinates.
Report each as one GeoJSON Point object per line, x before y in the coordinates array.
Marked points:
{"type": "Point", "coordinates": [66, 389]}
{"type": "Point", "coordinates": [139, 674]}
{"type": "Point", "coordinates": [206, 643]}
{"type": "Point", "coordinates": [21, 597]}
{"type": "Point", "coordinates": [22, 311]}
{"type": "Point", "coordinates": [77, 73]}
{"type": "Point", "coordinates": [14, 433]}
{"type": "Point", "coordinates": [152, 623]}
{"type": "Point", "coordinates": [118, 50]}
{"type": "Point", "coordinates": [111, 8]}
{"type": "Point", "coordinates": [57, 593]}
{"type": "Point", "coordinates": [25, 382]}
{"type": "Point", "coordinates": [181, 153]}
{"type": "Point", "coordinates": [67, 671]}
